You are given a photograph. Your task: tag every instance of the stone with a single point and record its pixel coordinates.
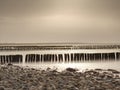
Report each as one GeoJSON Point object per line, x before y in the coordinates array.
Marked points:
{"type": "Point", "coordinates": [92, 88]}
{"type": "Point", "coordinates": [9, 64]}
{"type": "Point", "coordinates": [25, 88]}
{"type": "Point", "coordinates": [33, 88]}
{"type": "Point", "coordinates": [71, 69]}
{"type": "Point", "coordinates": [2, 88]}
{"type": "Point", "coordinates": [20, 78]}
{"type": "Point", "coordinates": [113, 71]}
{"type": "Point", "coordinates": [98, 69]}
{"type": "Point", "coordinates": [29, 75]}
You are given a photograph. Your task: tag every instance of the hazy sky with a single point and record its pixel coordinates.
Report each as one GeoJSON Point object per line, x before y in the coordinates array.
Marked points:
{"type": "Point", "coordinates": [42, 21]}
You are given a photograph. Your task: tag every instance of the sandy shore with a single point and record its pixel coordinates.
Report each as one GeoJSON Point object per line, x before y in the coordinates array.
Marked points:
{"type": "Point", "coordinates": [19, 78]}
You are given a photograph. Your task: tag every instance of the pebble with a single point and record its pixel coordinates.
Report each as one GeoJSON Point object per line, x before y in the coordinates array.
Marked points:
{"type": "Point", "coordinates": [71, 69]}
{"type": "Point", "coordinates": [19, 78]}
{"type": "Point", "coordinates": [2, 88]}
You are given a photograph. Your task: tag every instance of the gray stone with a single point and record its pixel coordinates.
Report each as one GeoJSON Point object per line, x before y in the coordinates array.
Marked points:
{"type": "Point", "coordinates": [2, 88]}
{"type": "Point", "coordinates": [92, 88]}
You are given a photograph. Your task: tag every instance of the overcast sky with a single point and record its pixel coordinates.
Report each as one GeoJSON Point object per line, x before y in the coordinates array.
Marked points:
{"type": "Point", "coordinates": [51, 21]}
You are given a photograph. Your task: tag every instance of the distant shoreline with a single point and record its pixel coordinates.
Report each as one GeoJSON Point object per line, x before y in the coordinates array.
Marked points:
{"type": "Point", "coordinates": [56, 46]}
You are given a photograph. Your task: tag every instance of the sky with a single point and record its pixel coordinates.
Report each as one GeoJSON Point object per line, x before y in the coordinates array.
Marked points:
{"type": "Point", "coordinates": [57, 21]}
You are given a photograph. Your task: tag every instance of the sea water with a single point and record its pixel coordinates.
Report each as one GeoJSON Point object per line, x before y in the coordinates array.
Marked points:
{"type": "Point", "coordinates": [102, 64]}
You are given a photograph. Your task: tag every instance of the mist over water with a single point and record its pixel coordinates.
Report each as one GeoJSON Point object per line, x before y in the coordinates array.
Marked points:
{"type": "Point", "coordinates": [81, 64]}
{"type": "Point", "coordinates": [78, 65]}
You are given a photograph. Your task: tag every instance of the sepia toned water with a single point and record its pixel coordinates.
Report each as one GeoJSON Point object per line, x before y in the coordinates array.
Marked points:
{"type": "Point", "coordinates": [103, 64]}
{"type": "Point", "coordinates": [78, 65]}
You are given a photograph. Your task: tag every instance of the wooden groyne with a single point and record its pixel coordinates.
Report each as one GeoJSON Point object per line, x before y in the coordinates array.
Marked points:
{"type": "Point", "coordinates": [58, 53]}
{"type": "Point", "coordinates": [66, 57]}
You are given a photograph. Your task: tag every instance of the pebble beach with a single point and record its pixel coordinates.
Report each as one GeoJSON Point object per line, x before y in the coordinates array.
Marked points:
{"type": "Point", "coordinates": [14, 77]}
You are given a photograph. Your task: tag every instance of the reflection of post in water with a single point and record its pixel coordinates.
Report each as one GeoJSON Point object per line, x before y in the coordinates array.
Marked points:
{"type": "Point", "coordinates": [60, 58]}
{"type": "Point", "coordinates": [10, 59]}
{"type": "Point", "coordinates": [118, 55]}
{"type": "Point", "coordinates": [72, 57]}
{"type": "Point", "coordinates": [66, 57]}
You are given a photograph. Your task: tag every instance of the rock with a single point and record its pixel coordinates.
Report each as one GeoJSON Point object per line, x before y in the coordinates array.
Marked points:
{"type": "Point", "coordinates": [117, 88]}
{"type": "Point", "coordinates": [48, 69]}
{"type": "Point", "coordinates": [8, 89]}
{"type": "Point", "coordinates": [20, 78]}
{"type": "Point", "coordinates": [114, 71]}
{"type": "Point", "coordinates": [107, 85]}
{"type": "Point", "coordinates": [92, 88]}
{"type": "Point", "coordinates": [2, 88]}
{"type": "Point", "coordinates": [33, 88]}
{"type": "Point", "coordinates": [25, 88]}
{"type": "Point", "coordinates": [0, 78]}
{"type": "Point", "coordinates": [98, 69]}
{"type": "Point", "coordinates": [67, 73]}
{"type": "Point", "coordinates": [44, 87]}
{"type": "Point", "coordinates": [97, 87]}
{"type": "Point", "coordinates": [71, 69]}
{"type": "Point", "coordinates": [29, 75]}
{"type": "Point", "coordinates": [9, 64]}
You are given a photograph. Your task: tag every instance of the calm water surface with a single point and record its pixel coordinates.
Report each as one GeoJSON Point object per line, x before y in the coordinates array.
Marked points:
{"type": "Point", "coordinates": [79, 65]}
{"type": "Point", "coordinates": [109, 64]}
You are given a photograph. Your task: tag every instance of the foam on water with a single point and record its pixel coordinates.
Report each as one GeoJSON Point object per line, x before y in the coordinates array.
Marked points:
{"type": "Point", "coordinates": [80, 65]}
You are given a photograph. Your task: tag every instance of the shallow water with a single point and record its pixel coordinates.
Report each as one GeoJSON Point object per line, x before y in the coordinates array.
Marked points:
{"type": "Point", "coordinates": [109, 64]}
{"type": "Point", "coordinates": [80, 65]}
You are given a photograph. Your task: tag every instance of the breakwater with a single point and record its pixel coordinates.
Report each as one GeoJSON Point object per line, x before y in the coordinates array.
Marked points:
{"type": "Point", "coordinates": [58, 53]}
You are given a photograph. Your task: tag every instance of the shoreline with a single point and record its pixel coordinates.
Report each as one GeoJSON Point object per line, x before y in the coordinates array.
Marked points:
{"type": "Point", "coordinates": [14, 77]}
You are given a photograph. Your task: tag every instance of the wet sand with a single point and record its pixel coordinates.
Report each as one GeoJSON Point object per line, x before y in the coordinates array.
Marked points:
{"type": "Point", "coordinates": [20, 78]}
